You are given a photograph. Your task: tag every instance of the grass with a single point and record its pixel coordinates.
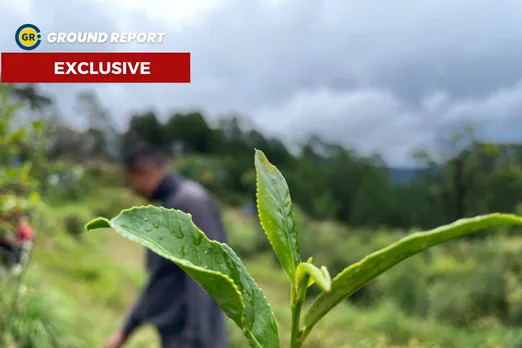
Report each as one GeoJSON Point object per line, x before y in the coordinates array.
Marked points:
{"type": "Point", "coordinates": [97, 278]}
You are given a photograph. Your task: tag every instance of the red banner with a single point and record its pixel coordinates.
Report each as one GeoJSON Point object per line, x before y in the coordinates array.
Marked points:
{"type": "Point", "coordinates": [113, 67]}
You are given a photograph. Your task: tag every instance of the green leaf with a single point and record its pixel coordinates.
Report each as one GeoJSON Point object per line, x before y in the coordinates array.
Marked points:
{"type": "Point", "coordinates": [311, 281]}
{"type": "Point", "coordinates": [214, 265]}
{"type": "Point", "coordinates": [359, 274]}
{"type": "Point", "coordinates": [320, 276]}
{"type": "Point", "coordinates": [276, 214]}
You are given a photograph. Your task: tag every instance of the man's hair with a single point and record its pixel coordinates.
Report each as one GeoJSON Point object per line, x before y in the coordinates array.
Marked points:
{"type": "Point", "coordinates": [145, 154]}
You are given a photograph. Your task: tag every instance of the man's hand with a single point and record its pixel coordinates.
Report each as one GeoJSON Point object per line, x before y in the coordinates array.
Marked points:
{"type": "Point", "coordinates": [116, 340]}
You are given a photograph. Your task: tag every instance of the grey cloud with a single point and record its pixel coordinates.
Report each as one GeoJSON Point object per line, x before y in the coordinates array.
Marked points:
{"type": "Point", "coordinates": [381, 76]}
{"type": "Point", "coordinates": [377, 121]}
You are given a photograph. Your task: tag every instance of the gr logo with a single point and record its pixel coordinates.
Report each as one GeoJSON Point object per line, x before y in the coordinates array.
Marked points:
{"type": "Point", "coordinates": [28, 37]}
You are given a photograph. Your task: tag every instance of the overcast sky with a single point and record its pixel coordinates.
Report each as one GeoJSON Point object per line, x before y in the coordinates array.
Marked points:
{"type": "Point", "coordinates": [381, 76]}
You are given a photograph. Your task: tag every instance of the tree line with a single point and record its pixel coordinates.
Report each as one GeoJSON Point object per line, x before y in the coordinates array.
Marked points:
{"type": "Point", "coordinates": [464, 177]}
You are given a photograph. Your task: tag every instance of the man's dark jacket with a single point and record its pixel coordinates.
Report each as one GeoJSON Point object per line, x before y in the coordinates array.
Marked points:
{"type": "Point", "coordinates": [183, 313]}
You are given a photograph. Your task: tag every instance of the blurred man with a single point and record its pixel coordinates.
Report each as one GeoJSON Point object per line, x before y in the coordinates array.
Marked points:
{"type": "Point", "coordinates": [182, 312]}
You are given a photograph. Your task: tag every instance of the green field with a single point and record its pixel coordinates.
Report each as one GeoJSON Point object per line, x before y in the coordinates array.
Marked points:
{"type": "Point", "coordinates": [452, 296]}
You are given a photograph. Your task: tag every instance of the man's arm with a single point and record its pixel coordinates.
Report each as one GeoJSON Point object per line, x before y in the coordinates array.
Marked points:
{"type": "Point", "coordinates": [135, 317]}
{"type": "Point", "coordinates": [197, 331]}
{"type": "Point", "coordinates": [147, 303]}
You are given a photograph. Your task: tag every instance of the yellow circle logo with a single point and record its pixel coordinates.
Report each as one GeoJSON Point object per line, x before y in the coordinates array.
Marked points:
{"type": "Point", "coordinates": [28, 37]}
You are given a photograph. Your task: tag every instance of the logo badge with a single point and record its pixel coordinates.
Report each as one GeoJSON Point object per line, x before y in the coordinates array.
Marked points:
{"type": "Point", "coordinates": [28, 37]}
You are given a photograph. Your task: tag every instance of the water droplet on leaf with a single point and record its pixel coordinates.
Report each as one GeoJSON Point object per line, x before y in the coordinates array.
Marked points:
{"type": "Point", "coordinates": [148, 229]}
{"type": "Point", "coordinates": [146, 219]}
{"type": "Point", "coordinates": [179, 233]}
{"type": "Point", "coordinates": [160, 237]}
{"type": "Point", "coordinates": [155, 225]}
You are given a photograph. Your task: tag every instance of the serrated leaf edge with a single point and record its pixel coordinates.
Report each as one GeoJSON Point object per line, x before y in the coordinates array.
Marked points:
{"type": "Point", "coordinates": [261, 153]}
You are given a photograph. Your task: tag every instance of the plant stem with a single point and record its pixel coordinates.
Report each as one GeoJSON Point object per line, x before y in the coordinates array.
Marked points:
{"type": "Point", "coordinates": [297, 302]}
{"type": "Point", "coordinates": [304, 334]}
{"type": "Point", "coordinates": [296, 318]}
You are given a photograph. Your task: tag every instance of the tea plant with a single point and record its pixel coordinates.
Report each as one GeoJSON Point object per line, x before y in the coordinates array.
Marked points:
{"type": "Point", "coordinates": [19, 186]}
{"type": "Point", "coordinates": [216, 267]}
{"type": "Point", "coordinates": [19, 195]}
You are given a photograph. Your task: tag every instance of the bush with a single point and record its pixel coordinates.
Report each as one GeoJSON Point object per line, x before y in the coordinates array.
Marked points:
{"type": "Point", "coordinates": [210, 172]}
{"type": "Point", "coordinates": [243, 234]}
{"type": "Point", "coordinates": [112, 204]}
{"type": "Point", "coordinates": [463, 299]}
{"type": "Point", "coordinates": [36, 321]}
{"type": "Point", "coordinates": [406, 286]}
{"type": "Point", "coordinates": [74, 225]}
{"type": "Point", "coordinates": [103, 174]}
{"type": "Point", "coordinates": [515, 316]}
{"type": "Point", "coordinates": [65, 184]}
{"type": "Point", "coordinates": [336, 247]}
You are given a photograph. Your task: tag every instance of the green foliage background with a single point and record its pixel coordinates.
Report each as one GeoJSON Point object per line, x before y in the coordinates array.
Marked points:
{"type": "Point", "coordinates": [464, 294]}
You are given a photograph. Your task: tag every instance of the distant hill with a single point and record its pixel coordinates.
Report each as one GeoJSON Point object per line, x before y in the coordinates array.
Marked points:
{"type": "Point", "coordinates": [402, 176]}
